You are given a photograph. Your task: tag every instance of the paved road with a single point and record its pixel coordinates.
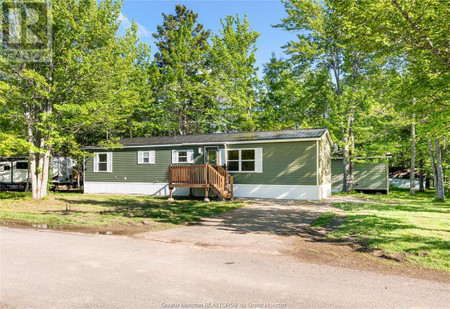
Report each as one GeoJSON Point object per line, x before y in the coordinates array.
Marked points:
{"type": "Point", "coordinates": [46, 269]}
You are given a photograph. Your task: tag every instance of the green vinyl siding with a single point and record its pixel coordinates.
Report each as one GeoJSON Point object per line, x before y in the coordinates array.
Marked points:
{"type": "Point", "coordinates": [368, 175]}
{"type": "Point", "coordinates": [337, 176]}
{"type": "Point", "coordinates": [125, 165]}
{"type": "Point", "coordinates": [285, 163]}
{"type": "Point", "coordinates": [371, 176]}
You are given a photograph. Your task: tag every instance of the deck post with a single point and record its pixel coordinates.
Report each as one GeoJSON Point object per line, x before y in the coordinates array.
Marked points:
{"type": "Point", "coordinates": [206, 200]}
{"type": "Point", "coordinates": [170, 195]}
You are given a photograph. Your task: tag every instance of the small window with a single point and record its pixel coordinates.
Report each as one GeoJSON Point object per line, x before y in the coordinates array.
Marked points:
{"type": "Point", "coordinates": [146, 157]}
{"type": "Point", "coordinates": [103, 162]}
{"type": "Point", "coordinates": [245, 160]}
{"type": "Point", "coordinates": [183, 156]}
{"type": "Point", "coordinates": [22, 165]}
{"type": "Point", "coordinates": [4, 168]}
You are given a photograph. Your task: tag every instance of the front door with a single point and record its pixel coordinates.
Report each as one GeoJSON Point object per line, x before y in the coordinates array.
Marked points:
{"type": "Point", "coordinates": [212, 155]}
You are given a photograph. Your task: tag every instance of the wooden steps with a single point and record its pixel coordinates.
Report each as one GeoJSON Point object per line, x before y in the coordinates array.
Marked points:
{"type": "Point", "coordinates": [206, 176]}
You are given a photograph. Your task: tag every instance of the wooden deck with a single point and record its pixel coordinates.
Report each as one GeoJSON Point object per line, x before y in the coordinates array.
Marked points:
{"type": "Point", "coordinates": [206, 176]}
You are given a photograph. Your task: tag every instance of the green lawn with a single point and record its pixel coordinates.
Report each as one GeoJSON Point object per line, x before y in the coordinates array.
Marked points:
{"type": "Point", "coordinates": [411, 228]}
{"type": "Point", "coordinates": [66, 210]}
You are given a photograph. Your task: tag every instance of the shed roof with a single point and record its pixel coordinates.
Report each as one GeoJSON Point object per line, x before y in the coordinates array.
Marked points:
{"type": "Point", "coordinates": [225, 137]}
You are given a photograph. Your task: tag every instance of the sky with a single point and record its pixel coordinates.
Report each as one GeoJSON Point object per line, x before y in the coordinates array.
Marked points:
{"type": "Point", "coordinates": [261, 15]}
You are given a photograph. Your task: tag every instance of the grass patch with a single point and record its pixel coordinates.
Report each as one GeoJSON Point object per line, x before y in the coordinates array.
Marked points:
{"type": "Point", "coordinates": [414, 227]}
{"type": "Point", "coordinates": [69, 209]}
{"type": "Point", "coordinates": [324, 219]}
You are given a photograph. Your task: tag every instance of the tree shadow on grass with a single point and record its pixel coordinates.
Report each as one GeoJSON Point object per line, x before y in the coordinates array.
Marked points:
{"type": "Point", "coordinates": [371, 232]}
{"type": "Point", "coordinates": [157, 209]}
{"type": "Point", "coordinates": [10, 195]}
{"type": "Point", "coordinates": [392, 207]}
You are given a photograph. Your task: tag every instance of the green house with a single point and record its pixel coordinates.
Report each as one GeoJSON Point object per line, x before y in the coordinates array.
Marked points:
{"type": "Point", "coordinates": [370, 175]}
{"type": "Point", "coordinates": [289, 164]}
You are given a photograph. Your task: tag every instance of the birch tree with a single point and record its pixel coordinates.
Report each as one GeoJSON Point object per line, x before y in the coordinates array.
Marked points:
{"type": "Point", "coordinates": [322, 46]}
{"type": "Point", "coordinates": [414, 31]}
{"type": "Point", "coordinates": [53, 103]}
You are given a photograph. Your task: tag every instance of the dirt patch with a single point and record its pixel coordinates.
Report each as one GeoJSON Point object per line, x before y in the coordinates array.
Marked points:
{"type": "Point", "coordinates": [313, 247]}
{"type": "Point", "coordinates": [120, 229]}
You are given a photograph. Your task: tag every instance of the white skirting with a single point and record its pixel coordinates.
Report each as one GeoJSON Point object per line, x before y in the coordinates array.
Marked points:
{"type": "Point", "coordinates": [296, 192]}
{"type": "Point", "coordinates": [403, 183]}
{"type": "Point", "coordinates": [144, 188]}
{"type": "Point", "coordinates": [336, 190]}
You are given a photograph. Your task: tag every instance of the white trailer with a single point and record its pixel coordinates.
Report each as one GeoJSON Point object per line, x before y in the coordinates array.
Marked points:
{"type": "Point", "coordinates": [14, 172]}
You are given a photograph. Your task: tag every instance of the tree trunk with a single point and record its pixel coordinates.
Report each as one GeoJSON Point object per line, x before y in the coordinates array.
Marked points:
{"type": "Point", "coordinates": [347, 170]}
{"type": "Point", "coordinates": [440, 175]}
{"type": "Point", "coordinates": [433, 164]}
{"type": "Point", "coordinates": [412, 168]}
{"type": "Point", "coordinates": [421, 187]}
{"type": "Point", "coordinates": [349, 140]}
{"type": "Point", "coordinates": [79, 178]}
{"type": "Point", "coordinates": [27, 186]}
{"type": "Point", "coordinates": [347, 165]}
{"type": "Point", "coordinates": [40, 167]}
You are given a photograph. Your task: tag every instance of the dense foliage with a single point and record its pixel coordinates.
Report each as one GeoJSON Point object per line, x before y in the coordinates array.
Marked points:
{"type": "Point", "coordinates": [376, 73]}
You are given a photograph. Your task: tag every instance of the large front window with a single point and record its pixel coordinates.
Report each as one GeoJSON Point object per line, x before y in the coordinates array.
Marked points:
{"type": "Point", "coordinates": [242, 160]}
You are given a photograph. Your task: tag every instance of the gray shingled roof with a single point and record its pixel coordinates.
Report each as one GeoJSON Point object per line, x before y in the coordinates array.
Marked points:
{"type": "Point", "coordinates": [224, 137]}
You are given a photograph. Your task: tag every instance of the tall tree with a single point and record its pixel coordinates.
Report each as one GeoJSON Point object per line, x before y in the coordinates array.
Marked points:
{"type": "Point", "coordinates": [56, 103]}
{"type": "Point", "coordinates": [323, 47]}
{"type": "Point", "coordinates": [233, 74]}
{"type": "Point", "coordinates": [292, 98]}
{"type": "Point", "coordinates": [414, 31]}
{"type": "Point", "coordinates": [182, 90]}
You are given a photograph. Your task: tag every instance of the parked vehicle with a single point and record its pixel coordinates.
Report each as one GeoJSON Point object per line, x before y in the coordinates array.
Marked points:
{"type": "Point", "coordinates": [14, 172]}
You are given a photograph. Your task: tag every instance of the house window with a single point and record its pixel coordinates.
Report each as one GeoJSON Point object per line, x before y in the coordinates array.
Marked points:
{"type": "Point", "coordinates": [248, 160]}
{"type": "Point", "coordinates": [183, 156]}
{"type": "Point", "coordinates": [245, 160]}
{"type": "Point", "coordinates": [103, 162]}
{"type": "Point", "coordinates": [146, 157]}
{"type": "Point", "coordinates": [233, 160]}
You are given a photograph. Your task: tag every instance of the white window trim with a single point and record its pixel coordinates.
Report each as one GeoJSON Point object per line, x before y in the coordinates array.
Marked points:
{"type": "Point", "coordinates": [190, 156]}
{"type": "Point", "coordinates": [151, 157]}
{"type": "Point", "coordinates": [109, 158]}
{"type": "Point", "coordinates": [258, 161]}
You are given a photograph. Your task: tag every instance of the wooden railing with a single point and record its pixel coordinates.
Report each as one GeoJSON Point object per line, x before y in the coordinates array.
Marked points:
{"type": "Point", "coordinates": [188, 174]}
{"type": "Point", "coordinates": [204, 176]}
{"type": "Point", "coordinates": [228, 178]}
{"type": "Point", "coordinates": [216, 180]}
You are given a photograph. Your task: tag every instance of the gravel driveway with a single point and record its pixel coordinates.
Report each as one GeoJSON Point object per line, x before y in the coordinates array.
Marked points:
{"type": "Point", "coordinates": [235, 260]}
{"type": "Point", "coordinates": [263, 226]}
